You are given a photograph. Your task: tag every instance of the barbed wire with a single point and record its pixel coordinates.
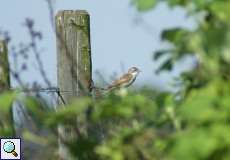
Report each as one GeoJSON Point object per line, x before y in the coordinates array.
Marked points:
{"type": "Point", "coordinates": [49, 89]}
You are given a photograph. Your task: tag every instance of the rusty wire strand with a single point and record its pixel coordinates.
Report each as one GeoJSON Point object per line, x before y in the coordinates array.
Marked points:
{"type": "Point", "coordinates": [50, 89]}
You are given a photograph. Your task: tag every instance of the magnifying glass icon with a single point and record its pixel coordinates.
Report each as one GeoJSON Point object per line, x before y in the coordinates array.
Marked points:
{"type": "Point", "coordinates": [9, 147]}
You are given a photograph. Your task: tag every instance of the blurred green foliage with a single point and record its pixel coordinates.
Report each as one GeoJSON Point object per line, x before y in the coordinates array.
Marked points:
{"type": "Point", "coordinates": [203, 105]}
{"type": "Point", "coordinates": [145, 124]}
{"type": "Point", "coordinates": [143, 5]}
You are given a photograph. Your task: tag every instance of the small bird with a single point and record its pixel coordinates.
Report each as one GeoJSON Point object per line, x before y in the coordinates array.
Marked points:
{"type": "Point", "coordinates": [125, 80]}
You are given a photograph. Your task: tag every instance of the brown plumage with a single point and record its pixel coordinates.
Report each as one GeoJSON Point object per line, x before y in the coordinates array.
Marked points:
{"type": "Point", "coordinates": [125, 80]}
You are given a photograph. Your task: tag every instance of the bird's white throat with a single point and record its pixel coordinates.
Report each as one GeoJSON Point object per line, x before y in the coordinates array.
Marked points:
{"type": "Point", "coordinates": [134, 74]}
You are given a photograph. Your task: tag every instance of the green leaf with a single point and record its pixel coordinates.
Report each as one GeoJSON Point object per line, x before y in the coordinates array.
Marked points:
{"type": "Point", "coordinates": [69, 113]}
{"type": "Point", "coordinates": [221, 9]}
{"type": "Point", "coordinates": [6, 100]}
{"type": "Point", "coordinates": [6, 117]}
{"type": "Point", "coordinates": [174, 35]}
{"type": "Point", "coordinates": [166, 65]}
{"type": "Point", "coordinates": [177, 2]}
{"type": "Point", "coordinates": [144, 5]}
{"type": "Point", "coordinates": [193, 145]}
{"type": "Point", "coordinates": [160, 53]}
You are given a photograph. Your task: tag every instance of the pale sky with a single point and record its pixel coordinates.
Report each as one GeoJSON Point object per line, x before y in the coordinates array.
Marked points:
{"type": "Point", "coordinates": [115, 38]}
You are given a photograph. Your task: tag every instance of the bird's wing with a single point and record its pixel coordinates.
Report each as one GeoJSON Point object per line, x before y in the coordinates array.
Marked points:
{"type": "Point", "coordinates": [123, 79]}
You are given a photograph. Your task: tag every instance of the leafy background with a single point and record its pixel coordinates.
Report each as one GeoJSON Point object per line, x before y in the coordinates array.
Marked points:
{"type": "Point", "coordinates": [144, 124]}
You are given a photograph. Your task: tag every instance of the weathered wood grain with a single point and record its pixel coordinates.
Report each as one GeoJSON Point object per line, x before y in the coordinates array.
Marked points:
{"type": "Point", "coordinates": [74, 65]}
{"type": "Point", "coordinates": [73, 53]}
{"type": "Point", "coordinates": [4, 67]}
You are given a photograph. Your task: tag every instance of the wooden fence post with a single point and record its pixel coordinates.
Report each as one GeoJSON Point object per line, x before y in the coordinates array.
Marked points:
{"type": "Point", "coordinates": [74, 63]}
{"type": "Point", "coordinates": [4, 67]}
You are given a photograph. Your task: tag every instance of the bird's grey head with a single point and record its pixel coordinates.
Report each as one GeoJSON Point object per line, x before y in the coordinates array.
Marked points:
{"type": "Point", "coordinates": [134, 70]}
